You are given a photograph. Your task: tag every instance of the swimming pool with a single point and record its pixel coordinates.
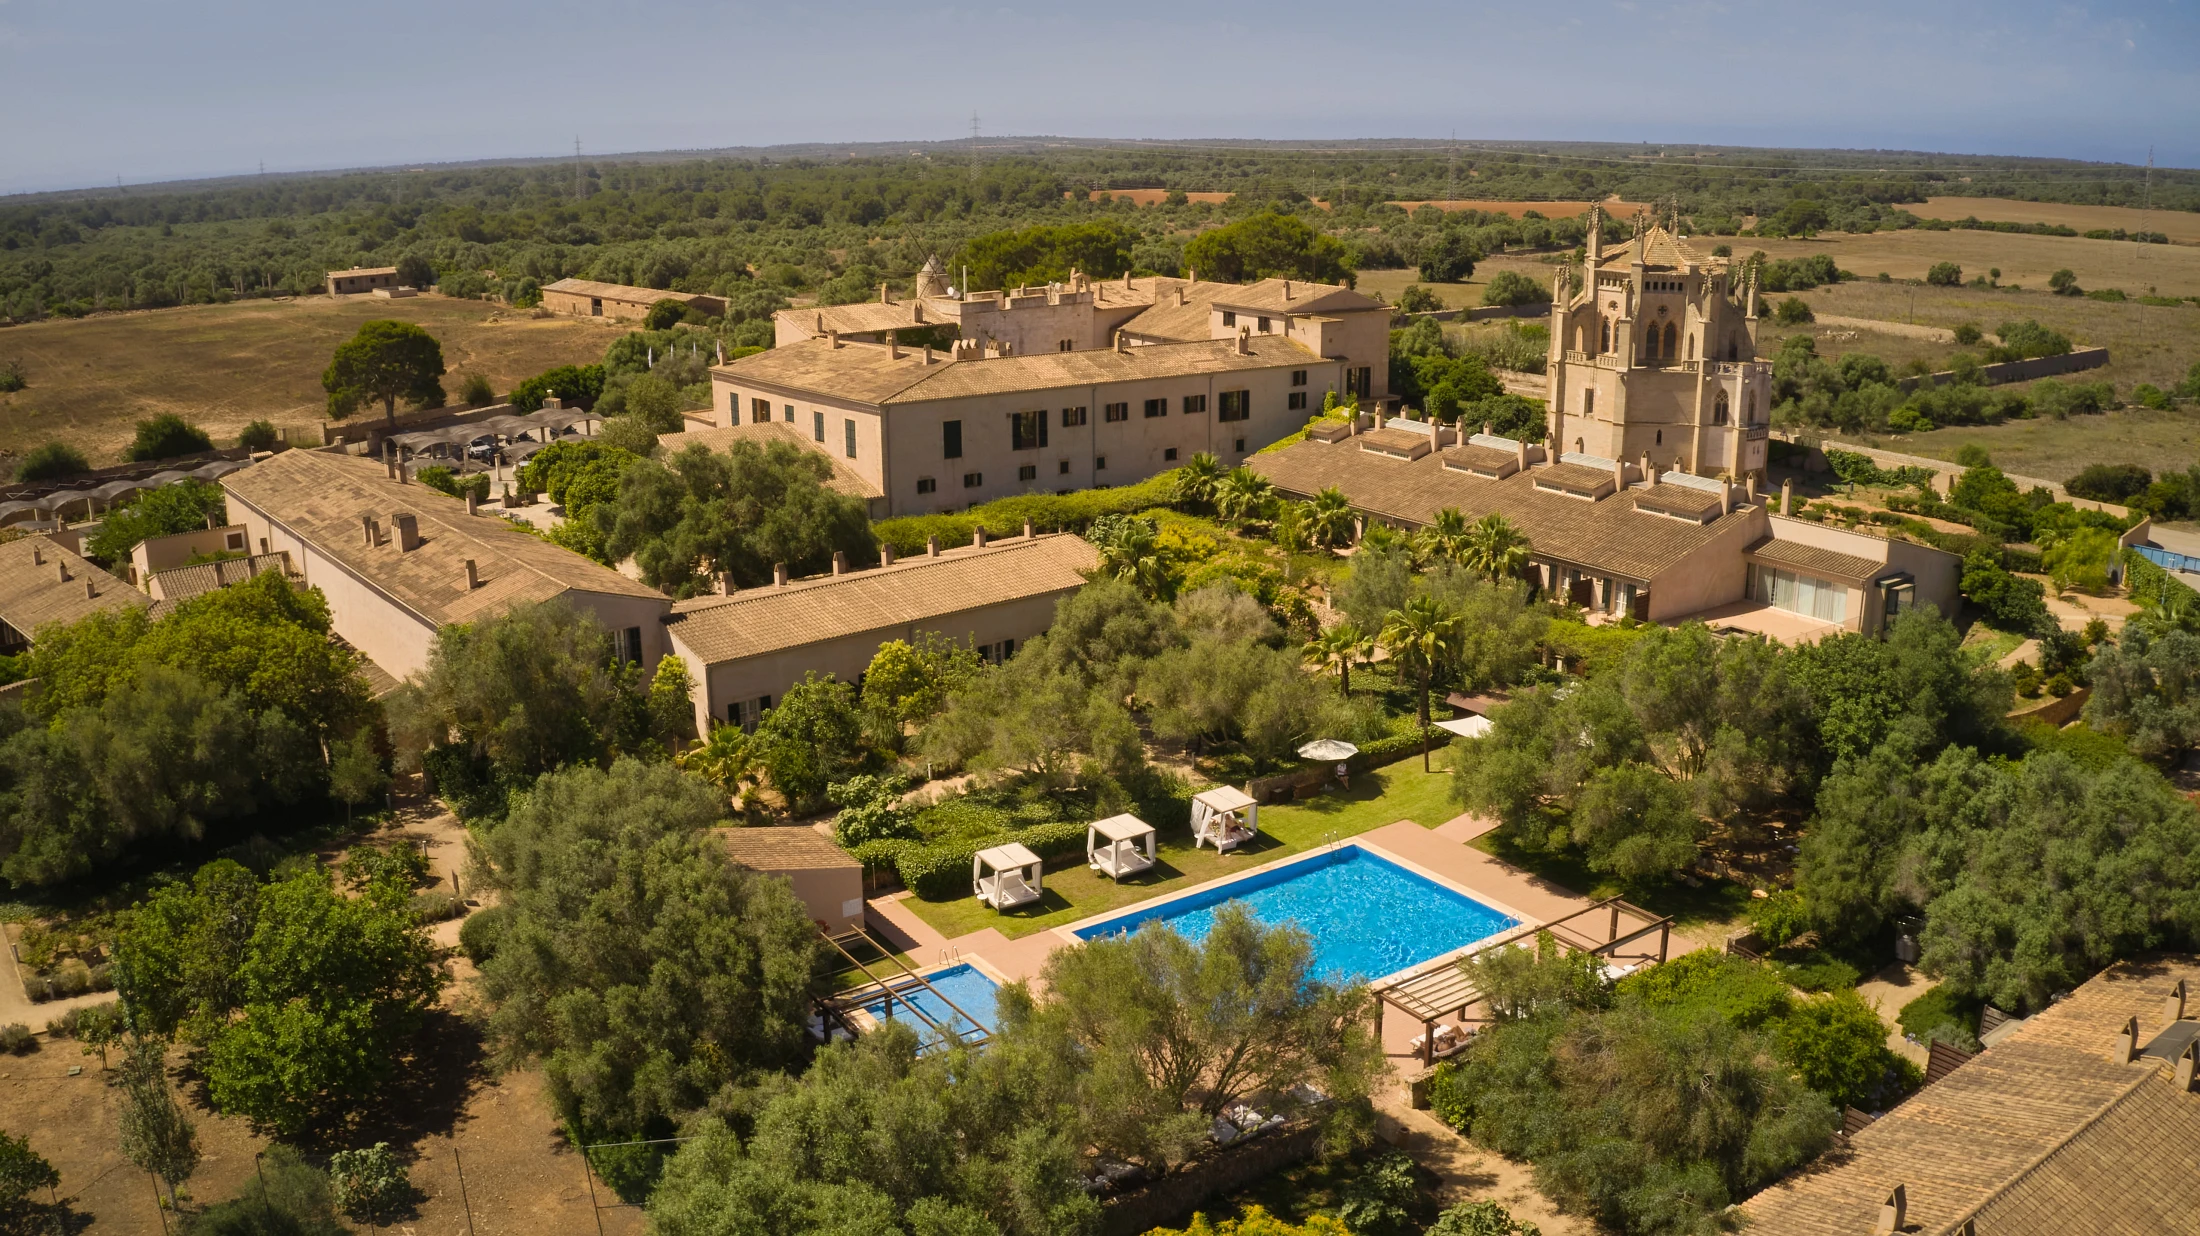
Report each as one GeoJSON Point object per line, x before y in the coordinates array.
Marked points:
{"type": "Point", "coordinates": [1368, 916]}
{"type": "Point", "coordinates": [970, 988]}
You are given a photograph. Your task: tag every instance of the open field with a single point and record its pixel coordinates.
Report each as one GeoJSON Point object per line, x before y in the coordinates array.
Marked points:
{"type": "Point", "coordinates": [220, 366]}
{"type": "Point", "coordinates": [2056, 450]}
{"type": "Point", "coordinates": [2174, 270]}
{"type": "Point", "coordinates": [1400, 791]}
{"type": "Point", "coordinates": [1151, 197]}
{"type": "Point", "coordinates": [2181, 226]}
{"type": "Point", "coordinates": [1464, 295]}
{"type": "Point", "coordinates": [1549, 210]}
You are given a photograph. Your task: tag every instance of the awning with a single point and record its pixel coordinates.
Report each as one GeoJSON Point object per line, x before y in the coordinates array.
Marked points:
{"type": "Point", "coordinates": [1466, 727]}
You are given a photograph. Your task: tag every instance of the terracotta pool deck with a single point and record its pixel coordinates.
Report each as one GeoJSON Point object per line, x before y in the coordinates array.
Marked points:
{"type": "Point", "coordinates": [1442, 852]}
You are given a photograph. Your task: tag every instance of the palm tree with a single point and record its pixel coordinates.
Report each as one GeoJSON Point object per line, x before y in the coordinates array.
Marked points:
{"type": "Point", "coordinates": [727, 759]}
{"type": "Point", "coordinates": [1446, 538]}
{"type": "Point", "coordinates": [1329, 516]}
{"type": "Point", "coordinates": [1129, 551]}
{"type": "Point", "coordinates": [1243, 496]}
{"type": "Point", "coordinates": [1196, 480]}
{"type": "Point", "coordinates": [1419, 638]}
{"type": "Point", "coordinates": [1495, 549]}
{"type": "Point", "coordinates": [1341, 646]}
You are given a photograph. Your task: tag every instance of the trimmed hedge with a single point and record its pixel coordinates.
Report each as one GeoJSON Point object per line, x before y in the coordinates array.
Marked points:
{"type": "Point", "coordinates": [2143, 577]}
{"type": "Point", "coordinates": [940, 872]}
{"type": "Point", "coordinates": [1858, 469]}
{"type": "Point", "coordinates": [1073, 512]}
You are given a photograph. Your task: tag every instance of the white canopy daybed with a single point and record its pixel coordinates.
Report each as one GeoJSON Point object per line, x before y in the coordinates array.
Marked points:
{"type": "Point", "coordinates": [1112, 846]}
{"type": "Point", "coordinates": [1226, 816]}
{"type": "Point", "coordinates": [1006, 876]}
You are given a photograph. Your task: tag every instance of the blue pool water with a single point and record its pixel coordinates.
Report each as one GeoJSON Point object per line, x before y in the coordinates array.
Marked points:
{"type": "Point", "coordinates": [965, 984]}
{"type": "Point", "coordinates": [1368, 917]}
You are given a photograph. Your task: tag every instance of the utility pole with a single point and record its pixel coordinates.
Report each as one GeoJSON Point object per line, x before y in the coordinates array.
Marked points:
{"type": "Point", "coordinates": [578, 190]}
{"type": "Point", "coordinates": [973, 146]}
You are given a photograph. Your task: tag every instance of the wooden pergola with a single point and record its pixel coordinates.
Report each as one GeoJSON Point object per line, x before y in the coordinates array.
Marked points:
{"type": "Point", "coordinates": [1442, 989]}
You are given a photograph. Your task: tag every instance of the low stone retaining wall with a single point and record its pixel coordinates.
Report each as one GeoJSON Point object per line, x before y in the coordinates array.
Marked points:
{"type": "Point", "coordinates": [1175, 1197]}
{"type": "Point", "coordinates": [2057, 713]}
{"type": "Point", "coordinates": [2024, 370]}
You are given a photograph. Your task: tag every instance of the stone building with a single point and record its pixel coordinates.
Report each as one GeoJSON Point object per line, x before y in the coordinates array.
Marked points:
{"type": "Point", "coordinates": [361, 279]}
{"type": "Point", "coordinates": [1654, 352]}
{"type": "Point", "coordinates": [586, 298]}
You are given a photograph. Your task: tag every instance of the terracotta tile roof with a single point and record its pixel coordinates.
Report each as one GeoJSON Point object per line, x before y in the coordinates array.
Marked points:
{"type": "Point", "coordinates": [1396, 443]}
{"type": "Point", "coordinates": [867, 317]}
{"type": "Point", "coordinates": [1482, 460]}
{"type": "Point", "coordinates": [179, 584]}
{"type": "Point", "coordinates": [617, 291]}
{"type": "Point", "coordinates": [784, 847]}
{"type": "Point", "coordinates": [1269, 296]}
{"type": "Point", "coordinates": [914, 590]}
{"type": "Point", "coordinates": [721, 438]}
{"type": "Point", "coordinates": [2041, 1133]}
{"type": "Point", "coordinates": [1684, 501]}
{"type": "Point", "coordinates": [321, 495]}
{"type": "Point", "coordinates": [32, 593]}
{"type": "Point", "coordinates": [1574, 478]}
{"type": "Point", "coordinates": [869, 373]}
{"type": "Point", "coordinates": [1608, 535]}
{"type": "Point", "coordinates": [361, 271]}
{"type": "Point", "coordinates": [1827, 562]}
{"type": "Point", "coordinates": [1661, 251]}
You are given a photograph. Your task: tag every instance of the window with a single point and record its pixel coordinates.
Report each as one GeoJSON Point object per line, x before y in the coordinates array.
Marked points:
{"type": "Point", "coordinates": [595, 307]}
{"type": "Point", "coordinates": [1194, 403]}
{"type": "Point", "coordinates": [1240, 448]}
{"type": "Point", "coordinates": [1720, 413]}
{"type": "Point", "coordinates": [817, 425]}
{"type": "Point", "coordinates": [1229, 317]}
{"type": "Point", "coordinates": [1064, 469]}
{"type": "Point", "coordinates": [971, 480]}
{"type": "Point", "coordinates": [760, 411]}
{"type": "Point", "coordinates": [1672, 339]}
{"type": "Point", "coordinates": [1116, 412]}
{"type": "Point", "coordinates": [1607, 338]}
{"type": "Point", "coordinates": [1238, 405]}
{"type": "Point", "coordinates": [1264, 326]}
{"type": "Point", "coordinates": [1072, 417]}
{"type": "Point", "coordinates": [1589, 409]}
{"type": "Point", "coordinates": [1298, 377]}
{"type": "Point", "coordinates": [1029, 472]}
{"type": "Point", "coordinates": [236, 540]}
{"type": "Point", "coordinates": [1027, 431]}
{"type": "Point", "coordinates": [1100, 463]}
{"type": "Point", "coordinates": [850, 427]}
{"type": "Point", "coordinates": [1169, 454]}
{"type": "Point", "coordinates": [951, 439]}
{"type": "Point", "coordinates": [1065, 345]}
{"type": "Point", "coordinates": [1650, 344]}
{"type": "Point", "coordinates": [1296, 401]}
{"type": "Point", "coordinates": [632, 651]}
{"type": "Point", "coordinates": [1799, 594]}
{"type": "Point", "coordinates": [790, 414]}
{"type": "Point", "coordinates": [926, 485]}
{"type": "Point", "coordinates": [1357, 382]}
{"type": "Point", "coordinates": [1156, 407]}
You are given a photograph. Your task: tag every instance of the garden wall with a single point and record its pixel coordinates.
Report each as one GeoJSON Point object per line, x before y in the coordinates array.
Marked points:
{"type": "Point", "coordinates": [2024, 370]}
{"type": "Point", "coordinates": [1173, 1198]}
{"type": "Point", "coordinates": [2057, 713]}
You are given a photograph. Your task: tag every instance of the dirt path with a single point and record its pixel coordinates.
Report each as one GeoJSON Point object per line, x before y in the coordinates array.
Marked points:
{"type": "Point", "coordinates": [1468, 1173]}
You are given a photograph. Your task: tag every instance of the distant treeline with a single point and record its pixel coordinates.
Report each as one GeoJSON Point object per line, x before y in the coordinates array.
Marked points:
{"type": "Point", "coordinates": [758, 229]}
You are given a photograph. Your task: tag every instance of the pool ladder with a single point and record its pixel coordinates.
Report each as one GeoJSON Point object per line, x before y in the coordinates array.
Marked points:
{"type": "Point", "coordinates": [950, 954]}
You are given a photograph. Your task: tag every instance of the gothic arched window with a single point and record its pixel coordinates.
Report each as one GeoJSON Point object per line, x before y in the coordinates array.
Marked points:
{"type": "Point", "coordinates": [1650, 343]}
{"type": "Point", "coordinates": [1607, 346]}
{"type": "Point", "coordinates": [1672, 341]}
{"type": "Point", "coordinates": [1719, 412]}
{"type": "Point", "coordinates": [1691, 347]}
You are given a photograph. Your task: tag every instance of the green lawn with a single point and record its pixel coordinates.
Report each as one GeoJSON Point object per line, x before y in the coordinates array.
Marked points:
{"type": "Point", "coordinates": [1399, 792]}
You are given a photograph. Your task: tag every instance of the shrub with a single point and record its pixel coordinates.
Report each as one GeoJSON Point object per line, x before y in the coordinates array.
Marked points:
{"type": "Point", "coordinates": [2027, 340]}
{"type": "Point", "coordinates": [2064, 282]}
{"type": "Point", "coordinates": [1942, 1006]}
{"type": "Point", "coordinates": [941, 872]}
{"type": "Point", "coordinates": [259, 436]}
{"type": "Point", "coordinates": [11, 377]}
{"type": "Point", "coordinates": [442, 479]}
{"type": "Point", "coordinates": [474, 391]}
{"type": "Point", "coordinates": [1968, 335]}
{"type": "Point", "coordinates": [2148, 395]}
{"type": "Point", "coordinates": [437, 907]}
{"type": "Point", "coordinates": [16, 1039]}
{"type": "Point", "coordinates": [1418, 299]}
{"type": "Point", "coordinates": [1073, 512]}
{"type": "Point", "coordinates": [1779, 917]}
{"type": "Point", "coordinates": [478, 938]}
{"type": "Point", "coordinates": [50, 460]}
{"type": "Point", "coordinates": [1510, 287]}
{"type": "Point", "coordinates": [369, 1184]}
{"type": "Point", "coordinates": [1794, 311]}
{"type": "Point", "coordinates": [166, 436]}
{"type": "Point", "coordinates": [1944, 275]}
{"type": "Point", "coordinates": [2110, 482]}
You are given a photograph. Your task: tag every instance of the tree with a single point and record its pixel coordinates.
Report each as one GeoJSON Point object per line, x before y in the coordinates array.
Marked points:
{"type": "Point", "coordinates": [384, 362]}
{"type": "Point", "coordinates": [1495, 549]}
{"type": "Point", "coordinates": [2146, 689]}
{"type": "Point", "coordinates": [49, 460]}
{"type": "Point", "coordinates": [671, 702]}
{"type": "Point", "coordinates": [908, 684]}
{"type": "Point", "coordinates": [1450, 258]}
{"type": "Point", "coordinates": [664, 314]}
{"type": "Point", "coordinates": [1244, 496]}
{"type": "Point", "coordinates": [369, 1184]}
{"type": "Point", "coordinates": [1269, 245]}
{"type": "Point", "coordinates": [415, 271]}
{"type": "Point", "coordinates": [654, 402]}
{"type": "Point", "coordinates": [1419, 638]}
{"type": "Point", "coordinates": [23, 1172]}
{"type": "Point", "coordinates": [1130, 551]}
{"type": "Point", "coordinates": [1418, 299]}
{"type": "Point", "coordinates": [576, 386]}
{"type": "Point", "coordinates": [1838, 1046]}
{"type": "Point", "coordinates": [1510, 287]}
{"type": "Point", "coordinates": [810, 739]}
{"type": "Point", "coordinates": [727, 759]}
{"type": "Point", "coordinates": [283, 1196]}
{"type": "Point", "coordinates": [642, 967]}
{"type": "Point", "coordinates": [156, 1134]}
{"type": "Point", "coordinates": [185, 506]}
{"type": "Point", "coordinates": [1340, 645]}
{"type": "Point", "coordinates": [1944, 275]}
{"type": "Point", "coordinates": [1043, 718]}
{"type": "Point", "coordinates": [1793, 311]}
{"type": "Point", "coordinates": [1195, 481]}
{"type": "Point", "coordinates": [1037, 256]}
{"type": "Point", "coordinates": [1635, 824]}
{"type": "Point", "coordinates": [259, 436]}
{"type": "Point", "coordinates": [166, 436]}
{"type": "Point", "coordinates": [1256, 1221]}
{"type": "Point", "coordinates": [2064, 283]}
{"type": "Point", "coordinates": [870, 810]}
{"type": "Point", "coordinates": [1378, 1201]}
{"type": "Point", "coordinates": [1174, 1032]}
{"type": "Point", "coordinates": [355, 773]}
{"type": "Point", "coordinates": [1328, 516]}
{"type": "Point", "coordinates": [744, 511]}
{"type": "Point", "coordinates": [1445, 539]}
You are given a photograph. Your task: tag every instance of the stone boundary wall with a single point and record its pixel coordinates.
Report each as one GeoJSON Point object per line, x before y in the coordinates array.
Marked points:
{"type": "Point", "coordinates": [1479, 313]}
{"type": "Point", "coordinates": [1174, 1197]}
{"type": "Point", "coordinates": [2025, 370]}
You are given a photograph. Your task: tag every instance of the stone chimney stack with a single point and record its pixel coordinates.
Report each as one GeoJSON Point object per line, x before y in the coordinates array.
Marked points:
{"type": "Point", "coordinates": [554, 403]}
{"type": "Point", "coordinates": [1520, 452]}
{"type": "Point", "coordinates": [473, 502]}
{"type": "Point", "coordinates": [2173, 1007]}
{"type": "Point", "coordinates": [916, 311]}
{"type": "Point", "coordinates": [389, 459]}
{"type": "Point", "coordinates": [832, 337]}
{"type": "Point", "coordinates": [1028, 533]}
{"type": "Point", "coordinates": [473, 575]}
{"type": "Point", "coordinates": [886, 555]}
{"type": "Point", "coordinates": [1749, 487]}
{"type": "Point", "coordinates": [38, 555]}
{"type": "Point", "coordinates": [883, 298]}
{"type": "Point", "coordinates": [723, 584]}
{"type": "Point", "coordinates": [1287, 289]}
{"type": "Point", "coordinates": [2126, 1047]}
{"type": "Point", "coordinates": [1121, 344]}
{"type": "Point", "coordinates": [1619, 475]}
{"type": "Point", "coordinates": [1787, 497]}
{"type": "Point", "coordinates": [1180, 295]}
{"type": "Point", "coordinates": [779, 574]}
{"type": "Point", "coordinates": [931, 547]}
{"type": "Point", "coordinates": [840, 562]}
{"type": "Point", "coordinates": [366, 529]}
{"type": "Point", "coordinates": [60, 571]}
{"type": "Point", "coordinates": [1244, 341]}
{"type": "Point", "coordinates": [407, 530]}
{"type": "Point", "coordinates": [893, 345]}
{"type": "Point", "coordinates": [1192, 273]}
{"type": "Point", "coordinates": [1894, 1213]}
{"type": "Point", "coordinates": [2186, 1061]}
{"type": "Point", "coordinates": [89, 594]}
{"type": "Point", "coordinates": [979, 539]}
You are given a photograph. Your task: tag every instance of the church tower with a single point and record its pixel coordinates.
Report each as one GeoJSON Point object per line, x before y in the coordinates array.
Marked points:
{"type": "Point", "coordinates": [1654, 355]}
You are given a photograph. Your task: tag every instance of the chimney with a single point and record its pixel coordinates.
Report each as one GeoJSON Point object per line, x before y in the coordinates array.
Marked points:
{"type": "Point", "coordinates": [1749, 486]}
{"type": "Point", "coordinates": [38, 555]}
{"type": "Point", "coordinates": [1619, 475]}
{"type": "Point", "coordinates": [928, 354]}
{"type": "Point", "coordinates": [89, 595]}
{"type": "Point", "coordinates": [1520, 451]}
{"type": "Point", "coordinates": [1126, 281]}
{"type": "Point", "coordinates": [60, 571]}
{"type": "Point", "coordinates": [473, 501]}
{"type": "Point", "coordinates": [1787, 496]}
{"type": "Point", "coordinates": [779, 574]}
{"type": "Point", "coordinates": [832, 337]}
{"type": "Point", "coordinates": [1287, 289]}
{"type": "Point", "coordinates": [1486, 427]}
{"type": "Point", "coordinates": [1180, 295]}
{"type": "Point", "coordinates": [916, 310]}
{"type": "Point", "coordinates": [931, 547]}
{"type": "Point", "coordinates": [2126, 1047]}
{"type": "Point", "coordinates": [473, 576]}
{"type": "Point", "coordinates": [979, 540]}
{"type": "Point", "coordinates": [554, 403]}
{"type": "Point", "coordinates": [1244, 342]}
{"type": "Point", "coordinates": [2185, 1063]}
{"type": "Point", "coordinates": [723, 584]}
{"type": "Point", "coordinates": [389, 459]}
{"type": "Point", "coordinates": [883, 298]}
{"type": "Point", "coordinates": [366, 529]}
{"type": "Point", "coordinates": [1647, 474]}
{"type": "Point", "coordinates": [893, 345]}
{"type": "Point", "coordinates": [840, 562]}
{"type": "Point", "coordinates": [2173, 1008]}
{"type": "Point", "coordinates": [820, 323]}
{"type": "Point", "coordinates": [1120, 344]}
{"type": "Point", "coordinates": [407, 530]}
{"type": "Point", "coordinates": [1193, 272]}
{"type": "Point", "coordinates": [1028, 533]}
{"type": "Point", "coordinates": [1893, 1213]}
{"type": "Point", "coordinates": [886, 555]}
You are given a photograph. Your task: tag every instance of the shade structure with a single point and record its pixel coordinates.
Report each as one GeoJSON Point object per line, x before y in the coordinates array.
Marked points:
{"type": "Point", "coordinates": [1225, 816]}
{"type": "Point", "coordinates": [1120, 845]}
{"type": "Point", "coordinates": [1328, 749]}
{"type": "Point", "coordinates": [1006, 876]}
{"type": "Point", "coordinates": [1466, 727]}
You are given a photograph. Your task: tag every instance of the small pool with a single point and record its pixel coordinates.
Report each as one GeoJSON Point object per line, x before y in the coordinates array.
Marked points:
{"type": "Point", "coordinates": [1368, 916]}
{"type": "Point", "coordinates": [968, 987]}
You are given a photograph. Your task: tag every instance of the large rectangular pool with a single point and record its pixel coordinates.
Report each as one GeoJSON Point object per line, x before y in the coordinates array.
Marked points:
{"type": "Point", "coordinates": [970, 988]}
{"type": "Point", "coordinates": [1366, 915]}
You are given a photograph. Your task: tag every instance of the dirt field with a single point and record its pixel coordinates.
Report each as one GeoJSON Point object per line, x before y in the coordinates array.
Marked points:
{"type": "Point", "coordinates": [2181, 226]}
{"type": "Point", "coordinates": [1455, 295]}
{"type": "Point", "coordinates": [2027, 261]}
{"type": "Point", "coordinates": [220, 366]}
{"type": "Point", "coordinates": [1549, 210]}
{"type": "Point", "coordinates": [2056, 450]}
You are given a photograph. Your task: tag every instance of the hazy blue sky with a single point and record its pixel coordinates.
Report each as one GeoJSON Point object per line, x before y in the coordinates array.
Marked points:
{"type": "Point", "coordinates": [95, 89]}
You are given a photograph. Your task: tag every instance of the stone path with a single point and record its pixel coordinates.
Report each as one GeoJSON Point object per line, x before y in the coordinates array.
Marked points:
{"type": "Point", "coordinates": [1887, 991]}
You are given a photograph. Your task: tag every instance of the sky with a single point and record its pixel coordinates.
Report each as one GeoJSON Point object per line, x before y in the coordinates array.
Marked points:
{"type": "Point", "coordinates": [152, 90]}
